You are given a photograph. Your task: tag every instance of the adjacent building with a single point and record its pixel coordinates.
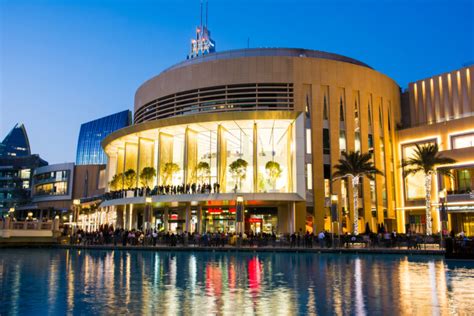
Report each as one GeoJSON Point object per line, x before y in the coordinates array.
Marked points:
{"type": "Point", "coordinates": [16, 169]}
{"type": "Point", "coordinates": [439, 109]}
{"type": "Point", "coordinates": [89, 150]}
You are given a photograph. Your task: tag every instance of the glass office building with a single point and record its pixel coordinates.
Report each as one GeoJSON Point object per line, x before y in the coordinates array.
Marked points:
{"type": "Point", "coordinates": [89, 150]}
{"type": "Point", "coordinates": [16, 143]}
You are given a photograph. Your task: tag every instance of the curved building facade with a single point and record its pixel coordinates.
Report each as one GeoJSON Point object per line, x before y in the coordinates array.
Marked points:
{"type": "Point", "coordinates": [261, 127]}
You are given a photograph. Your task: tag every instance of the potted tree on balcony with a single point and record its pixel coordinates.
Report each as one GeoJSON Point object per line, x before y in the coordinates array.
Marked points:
{"type": "Point", "coordinates": [203, 170]}
{"type": "Point", "coordinates": [130, 180]}
{"type": "Point", "coordinates": [167, 172]}
{"type": "Point", "coordinates": [146, 176]}
{"type": "Point", "coordinates": [117, 182]}
{"type": "Point", "coordinates": [274, 172]}
{"type": "Point", "coordinates": [238, 169]}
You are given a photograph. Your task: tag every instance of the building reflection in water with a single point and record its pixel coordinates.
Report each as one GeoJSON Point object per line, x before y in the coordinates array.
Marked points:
{"type": "Point", "coordinates": [120, 282]}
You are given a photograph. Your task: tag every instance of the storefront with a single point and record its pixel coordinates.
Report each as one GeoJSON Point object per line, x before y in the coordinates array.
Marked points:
{"type": "Point", "coordinates": [257, 220]}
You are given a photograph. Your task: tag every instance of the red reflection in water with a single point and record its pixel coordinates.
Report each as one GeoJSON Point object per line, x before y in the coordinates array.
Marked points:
{"type": "Point", "coordinates": [255, 275]}
{"type": "Point", "coordinates": [231, 276]}
{"type": "Point", "coordinates": [213, 280]}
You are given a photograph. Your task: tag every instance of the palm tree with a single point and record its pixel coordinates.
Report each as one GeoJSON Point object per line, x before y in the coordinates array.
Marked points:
{"type": "Point", "coordinates": [425, 159]}
{"type": "Point", "coordinates": [355, 165]}
{"type": "Point", "coordinates": [130, 178]}
{"type": "Point", "coordinates": [147, 175]}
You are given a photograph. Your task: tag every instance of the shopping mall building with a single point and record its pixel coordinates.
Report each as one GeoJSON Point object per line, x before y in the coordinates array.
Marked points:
{"type": "Point", "coordinates": [264, 129]}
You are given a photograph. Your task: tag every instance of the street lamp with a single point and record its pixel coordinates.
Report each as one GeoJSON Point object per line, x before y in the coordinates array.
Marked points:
{"type": "Point", "coordinates": [239, 213]}
{"type": "Point", "coordinates": [335, 213]}
{"type": "Point", "coordinates": [148, 201]}
{"type": "Point", "coordinates": [443, 212]}
{"type": "Point", "coordinates": [76, 204]}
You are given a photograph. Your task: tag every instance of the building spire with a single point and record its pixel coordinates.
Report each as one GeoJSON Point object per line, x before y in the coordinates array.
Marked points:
{"type": "Point", "coordinates": [202, 44]}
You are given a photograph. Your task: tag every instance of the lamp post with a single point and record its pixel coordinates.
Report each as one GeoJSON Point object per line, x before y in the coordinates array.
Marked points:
{"type": "Point", "coordinates": [76, 204]}
{"type": "Point", "coordinates": [11, 212]}
{"type": "Point", "coordinates": [335, 214]}
{"type": "Point", "coordinates": [443, 213]}
{"type": "Point", "coordinates": [148, 201]}
{"type": "Point", "coordinates": [239, 213]}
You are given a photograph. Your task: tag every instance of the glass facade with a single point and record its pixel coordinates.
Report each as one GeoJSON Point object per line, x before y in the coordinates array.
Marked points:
{"type": "Point", "coordinates": [462, 141]}
{"type": "Point", "coordinates": [239, 155]}
{"type": "Point", "coordinates": [51, 183]}
{"type": "Point", "coordinates": [16, 143]}
{"type": "Point", "coordinates": [89, 150]}
{"type": "Point", "coordinates": [15, 180]}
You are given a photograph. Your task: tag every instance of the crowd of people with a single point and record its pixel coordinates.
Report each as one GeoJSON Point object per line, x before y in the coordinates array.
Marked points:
{"type": "Point", "coordinates": [107, 235]}
{"type": "Point", "coordinates": [193, 188]}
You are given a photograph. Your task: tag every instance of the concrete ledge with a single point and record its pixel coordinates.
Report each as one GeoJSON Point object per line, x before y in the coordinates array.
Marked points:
{"type": "Point", "coordinates": [27, 241]}
{"type": "Point", "coordinates": [261, 249]}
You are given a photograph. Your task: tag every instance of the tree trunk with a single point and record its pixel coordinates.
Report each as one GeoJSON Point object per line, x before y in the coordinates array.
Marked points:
{"type": "Point", "coordinates": [429, 230]}
{"type": "Point", "coordinates": [355, 197]}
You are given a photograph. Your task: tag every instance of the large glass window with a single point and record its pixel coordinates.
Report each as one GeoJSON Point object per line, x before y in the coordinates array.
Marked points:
{"type": "Point", "coordinates": [309, 176]}
{"type": "Point", "coordinates": [414, 184]}
{"type": "Point", "coordinates": [462, 141]}
{"type": "Point", "coordinates": [206, 166]}
{"type": "Point", "coordinates": [308, 141]}
{"type": "Point", "coordinates": [240, 155]}
{"type": "Point", "coordinates": [342, 141]}
{"type": "Point", "coordinates": [239, 171]}
{"type": "Point", "coordinates": [272, 156]}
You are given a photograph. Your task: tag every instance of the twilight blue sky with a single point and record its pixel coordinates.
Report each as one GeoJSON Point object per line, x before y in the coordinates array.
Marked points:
{"type": "Point", "coordinates": [63, 63]}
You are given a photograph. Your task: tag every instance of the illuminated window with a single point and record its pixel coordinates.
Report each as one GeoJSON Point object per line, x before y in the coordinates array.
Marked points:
{"type": "Point", "coordinates": [308, 141]}
{"type": "Point", "coordinates": [327, 188]}
{"type": "Point", "coordinates": [25, 173]}
{"type": "Point", "coordinates": [342, 141]}
{"type": "Point", "coordinates": [414, 184]}
{"type": "Point", "coordinates": [464, 179]}
{"type": "Point", "coordinates": [357, 141]}
{"type": "Point", "coordinates": [462, 141]}
{"type": "Point", "coordinates": [309, 176]}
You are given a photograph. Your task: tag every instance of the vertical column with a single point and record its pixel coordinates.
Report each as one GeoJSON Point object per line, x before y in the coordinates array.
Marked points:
{"type": "Point", "coordinates": [137, 184]}
{"type": "Point", "coordinates": [157, 159]}
{"type": "Point", "coordinates": [126, 217]}
{"type": "Point", "coordinates": [255, 156]}
{"type": "Point", "coordinates": [165, 219]}
{"type": "Point", "coordinates": [291, 217]}
{"type": "Point", "coordinates": [186, 173]}
{"type": "Point", "coordinates": [221, 158]}
{"type": "Point", "coordinates": [188, 217]}
{"type": "Point", "coordinates": [291, 157]}
{"type": "Point", "coordinates": [199, 219]}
